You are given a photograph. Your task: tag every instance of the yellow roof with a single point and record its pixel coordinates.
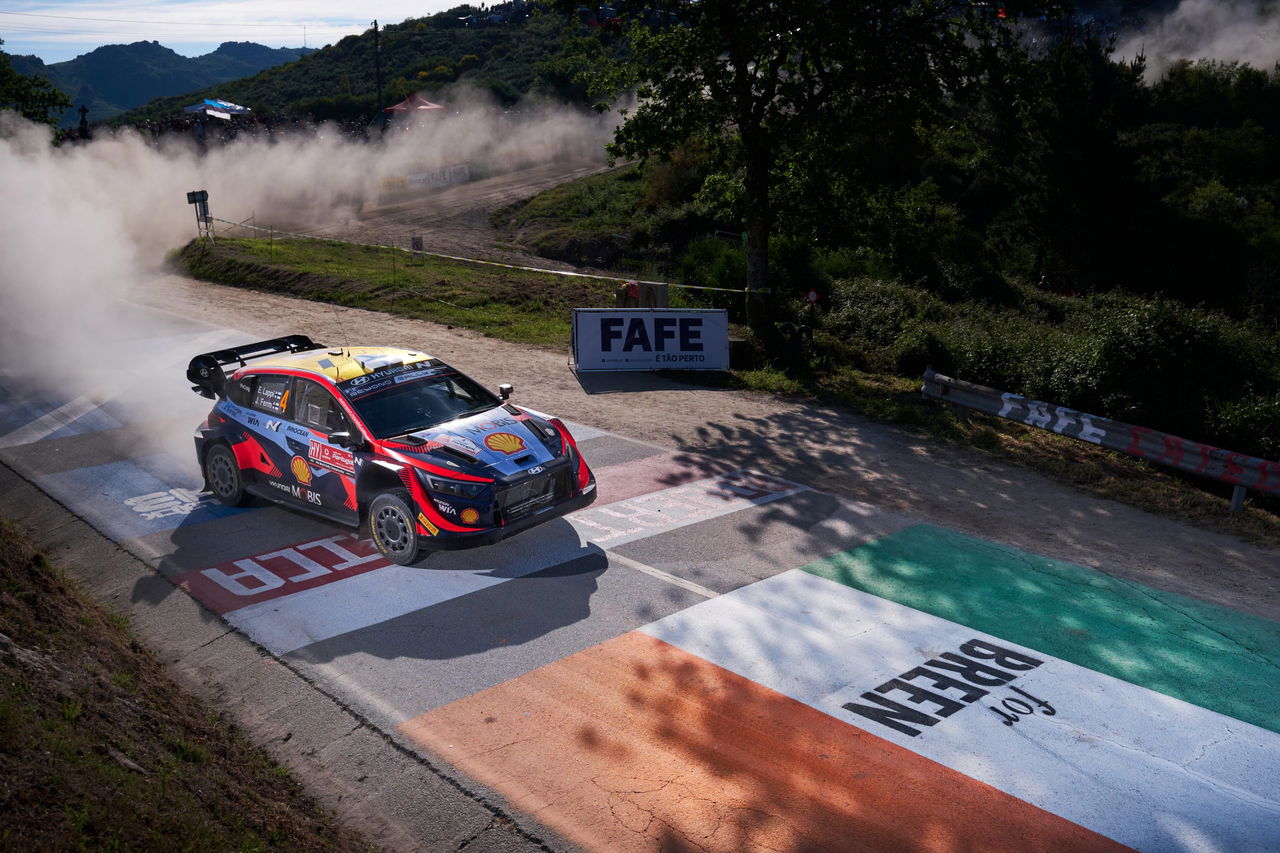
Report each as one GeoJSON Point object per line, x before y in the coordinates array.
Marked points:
{"type": "Point", "coordinates": [340, 364]}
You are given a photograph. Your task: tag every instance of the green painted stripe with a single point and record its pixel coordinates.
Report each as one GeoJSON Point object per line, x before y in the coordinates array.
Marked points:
{"type": "Point", "coordinates": [1201, 653]}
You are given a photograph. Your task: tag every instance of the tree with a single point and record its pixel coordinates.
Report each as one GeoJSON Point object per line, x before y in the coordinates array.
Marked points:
{"type": "Point", "coordinates": [34, 97]}
{"type": "Point", "coordinates": [759, 81]}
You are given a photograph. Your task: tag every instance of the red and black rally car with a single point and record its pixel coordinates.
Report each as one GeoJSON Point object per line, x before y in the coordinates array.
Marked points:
{"type": "Point", "coordinates": [392, 441]}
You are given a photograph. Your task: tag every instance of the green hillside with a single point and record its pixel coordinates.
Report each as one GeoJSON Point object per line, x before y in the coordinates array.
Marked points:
{"type": "Point", "coordinates": [117, 77]}
{"type": "Point", "coordinates": [431, 55]}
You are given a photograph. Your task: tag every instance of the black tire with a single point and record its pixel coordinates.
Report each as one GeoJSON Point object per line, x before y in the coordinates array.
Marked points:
{"type": "Point", "coordinates": [222, 473]}
{"type": "Point", "coordinates": [393, 527]}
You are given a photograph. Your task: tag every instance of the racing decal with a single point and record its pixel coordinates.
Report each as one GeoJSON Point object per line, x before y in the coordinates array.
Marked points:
{"type": "Point", "coordinates": [301, 470]}
{"type": "Point", "coordinates": [445, 508]}
{"type": "Point", "coordinates": [252, 455]}
{"type": "Point", "coordinates": [239, 583]}
{"type": "Point", "coordinates": [333, 458]}
{"type": "Point", "coordinates": [469, 516]}
{"type": "Point", "coordinates": [485, 427]}
{"type": "Point", "coordinates": [504, 442]}
{"type": "Point", "coordinates": [457, 442]}
{"type": "Point", "coordinates": [427, 525]}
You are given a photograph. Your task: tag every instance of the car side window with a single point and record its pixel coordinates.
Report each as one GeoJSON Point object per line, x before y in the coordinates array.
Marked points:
{"type": "Point", "coordinates": [316, 408]}
{"type": "Point", "coordinates": [272, 395]}
{"type": "Point", "coordinates": [240, 392]}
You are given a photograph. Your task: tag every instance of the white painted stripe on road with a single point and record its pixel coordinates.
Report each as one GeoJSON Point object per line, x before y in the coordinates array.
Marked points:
{"type": "Point", "coordinates": [289, 622]}
{"type": "Point", "coordinates": [646, 515]}
{"type": "Point", "coordinates": [286, 624]}
{"type": "Point", "coordinates": [1137, 766]}
{"type": "Point", "coordinates": [674, 580]}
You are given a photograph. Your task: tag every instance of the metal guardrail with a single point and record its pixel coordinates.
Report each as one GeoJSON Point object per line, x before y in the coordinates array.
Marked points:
{"type": "Point", "coordinates": [1243, 472]}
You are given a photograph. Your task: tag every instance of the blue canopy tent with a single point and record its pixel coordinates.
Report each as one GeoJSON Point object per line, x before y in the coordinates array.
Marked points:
{"type": "Point", "coordinates": [218, 108]}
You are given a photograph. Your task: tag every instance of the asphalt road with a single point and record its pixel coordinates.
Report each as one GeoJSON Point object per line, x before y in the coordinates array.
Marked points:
{"type": "Point", "coordinates": [708, 658]}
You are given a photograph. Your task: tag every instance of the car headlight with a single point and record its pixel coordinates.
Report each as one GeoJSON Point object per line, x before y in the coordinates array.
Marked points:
{"type": "Point", "coordinates": [457, 488]}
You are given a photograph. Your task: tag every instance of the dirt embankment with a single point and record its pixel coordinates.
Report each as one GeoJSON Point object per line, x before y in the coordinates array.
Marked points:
{"type": "Point", "coordinates": [100, 750]}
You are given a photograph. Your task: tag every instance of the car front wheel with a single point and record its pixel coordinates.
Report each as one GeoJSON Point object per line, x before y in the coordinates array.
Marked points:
{"type": "Point", "coordinates": [392, 527]}
{"type": "Point", "coordinates": [222, 473]}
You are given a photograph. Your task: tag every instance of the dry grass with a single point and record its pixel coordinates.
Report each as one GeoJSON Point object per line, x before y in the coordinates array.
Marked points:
{"type": "Point", "coordinates": [99, 750]}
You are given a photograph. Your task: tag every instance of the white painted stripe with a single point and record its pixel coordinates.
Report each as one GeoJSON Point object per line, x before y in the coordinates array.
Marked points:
{"type": "Point", "coordinates": [1137, 766]}
{"type": "Point", "coordinates": [643, 516]}
{"type": "Point", "coordinates": [288, 623]}
{"type": "Point", "coordinates": [674, 580]}
{"type": "Point", "coordinates": [285, 624]}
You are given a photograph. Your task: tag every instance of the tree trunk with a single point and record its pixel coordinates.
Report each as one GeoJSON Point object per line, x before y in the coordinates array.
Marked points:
{"type": "Point", "coordinates": [758, 224]}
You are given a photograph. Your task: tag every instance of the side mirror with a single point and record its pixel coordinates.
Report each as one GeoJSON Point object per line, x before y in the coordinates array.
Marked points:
{"type": "Point", "coordinates": [345, 439]}
{"type": "Point", "coordinates": [504, 391]}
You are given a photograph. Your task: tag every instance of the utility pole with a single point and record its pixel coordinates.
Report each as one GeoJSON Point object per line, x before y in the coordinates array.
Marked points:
{"type": "Point", "coordinates": [377, 66]}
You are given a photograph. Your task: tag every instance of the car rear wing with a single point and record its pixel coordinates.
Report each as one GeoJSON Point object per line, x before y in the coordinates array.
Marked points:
{"type": "Point", "coordinates": [207, 370]}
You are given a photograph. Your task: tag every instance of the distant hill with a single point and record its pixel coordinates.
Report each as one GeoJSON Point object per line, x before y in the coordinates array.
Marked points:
{"type": "Point", "coordinates": [118, 77]}
{"type": "Point", "coordinates": [503, 50]}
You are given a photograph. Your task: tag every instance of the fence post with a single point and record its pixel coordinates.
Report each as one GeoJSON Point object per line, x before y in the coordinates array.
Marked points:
{"type": "Point", "coordinates": [1237, 498]}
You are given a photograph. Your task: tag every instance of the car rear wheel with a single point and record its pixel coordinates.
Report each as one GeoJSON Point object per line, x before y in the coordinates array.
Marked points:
{"type": "Point", "coordinates": [222, 473]}
{"type": "Point", "coordinates": [393, 528]}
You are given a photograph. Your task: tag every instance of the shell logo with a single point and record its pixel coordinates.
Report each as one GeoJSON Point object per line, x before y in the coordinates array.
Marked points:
{"type": "Point", "coordinates": [469, 516]}
{"type": "Point", "coordinates": [301, 470]}
{"type": "Point", "coordinates": [504, 442]}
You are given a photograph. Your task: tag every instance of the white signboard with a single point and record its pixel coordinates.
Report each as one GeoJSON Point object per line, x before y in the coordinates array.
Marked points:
{"type": "Point", "coordinates": [650, 339]}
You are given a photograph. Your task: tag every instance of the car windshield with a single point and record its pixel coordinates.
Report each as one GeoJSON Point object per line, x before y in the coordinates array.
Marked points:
{"type": "Point", "coordinates": [403, 400]}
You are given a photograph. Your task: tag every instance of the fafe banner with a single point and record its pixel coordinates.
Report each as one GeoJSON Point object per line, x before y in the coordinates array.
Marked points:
{"type": "Point", "coordinates": [650, 339]}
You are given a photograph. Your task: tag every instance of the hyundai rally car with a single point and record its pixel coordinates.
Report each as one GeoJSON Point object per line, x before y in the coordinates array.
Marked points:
{"type": "Point", "coordinates": [417, 455]}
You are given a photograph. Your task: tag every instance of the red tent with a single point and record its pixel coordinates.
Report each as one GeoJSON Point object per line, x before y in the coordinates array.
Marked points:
{"type": "Point", "coordinates": [415, 104]}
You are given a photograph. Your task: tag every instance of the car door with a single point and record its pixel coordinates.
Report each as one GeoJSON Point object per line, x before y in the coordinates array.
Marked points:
{"type": "Point", "coordinates": [322, 471]}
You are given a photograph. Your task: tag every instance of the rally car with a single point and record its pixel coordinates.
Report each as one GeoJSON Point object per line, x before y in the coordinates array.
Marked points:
{"type": "Point", "coordinates": [399, 444]}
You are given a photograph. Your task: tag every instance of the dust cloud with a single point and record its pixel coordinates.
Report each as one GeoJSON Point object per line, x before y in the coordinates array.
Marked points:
{"type": "Point", "coordinates": [84, 226]}
{"type": "Point", "coordinates": [1246, 31]}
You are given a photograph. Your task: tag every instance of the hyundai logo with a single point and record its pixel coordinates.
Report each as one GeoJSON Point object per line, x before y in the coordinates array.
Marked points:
{"type": "Point", "coordinates": [536, 469]}
{"type": "Point", "coordinates": [359, 380]}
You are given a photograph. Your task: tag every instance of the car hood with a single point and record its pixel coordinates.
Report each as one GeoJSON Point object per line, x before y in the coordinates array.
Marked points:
{"type": "Point", "coordinates": [494, 440]}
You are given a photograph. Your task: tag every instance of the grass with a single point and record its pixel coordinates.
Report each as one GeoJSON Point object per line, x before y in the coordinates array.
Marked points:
{"type": "Point", "coordinates": [99, 750]}
{"type": "Point", "coordinates": [511, 304]}
{"type": "Point", "coordinates": [534, 308]}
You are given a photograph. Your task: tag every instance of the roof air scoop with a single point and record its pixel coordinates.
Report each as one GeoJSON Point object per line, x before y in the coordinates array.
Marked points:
{"type": "Point", "coordinates": [370, 363]}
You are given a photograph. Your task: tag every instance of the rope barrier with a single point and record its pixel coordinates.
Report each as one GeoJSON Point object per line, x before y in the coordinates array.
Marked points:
{"type": "Point", "coordinates": [493, 263]}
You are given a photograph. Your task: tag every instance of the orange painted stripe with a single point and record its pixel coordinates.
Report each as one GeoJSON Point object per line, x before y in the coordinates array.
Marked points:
{"type": "Point", "coordinates": [635, 745]}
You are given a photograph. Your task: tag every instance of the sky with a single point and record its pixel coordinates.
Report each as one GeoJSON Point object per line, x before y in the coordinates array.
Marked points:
{"type": "Point", "coordinates": [58, 31]}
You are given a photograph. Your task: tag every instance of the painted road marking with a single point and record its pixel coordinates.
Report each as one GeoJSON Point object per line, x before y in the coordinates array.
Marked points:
{"type": "Point", "coordinates": [674, 580]}
{"type": "Point", "coordinates": [1140, 767]}
{"type": "Point", "coordinates": [1174, 645]}
{"type": "Point", "coordinates": [670, 752]}
{"type": "Point", "coordinates": [135, 497]}
{"type": "Point", "coordinates": [618, 523]}
{"type": "Point", "coordinates": [288, 599]}
{"type": "Point", "coordinates": [240, 583]}
{"type": "Point", "coordinates": [655, 729]}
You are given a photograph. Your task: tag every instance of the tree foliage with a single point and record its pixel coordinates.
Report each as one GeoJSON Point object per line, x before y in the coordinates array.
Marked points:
{"type": "Point", "coordinates": [766, 86]}
{"type": "Point", "coordinates": [34, 98]}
